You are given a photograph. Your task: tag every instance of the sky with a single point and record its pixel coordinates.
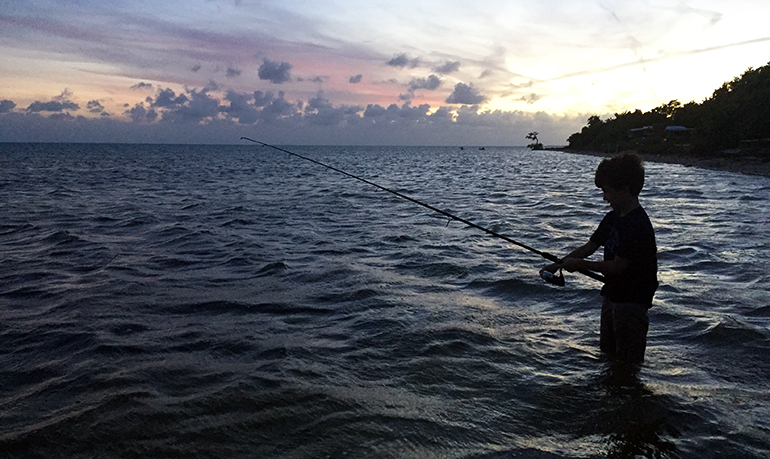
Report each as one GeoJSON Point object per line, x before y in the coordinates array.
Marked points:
{"type": "Point", "coordinates": [371, 72]}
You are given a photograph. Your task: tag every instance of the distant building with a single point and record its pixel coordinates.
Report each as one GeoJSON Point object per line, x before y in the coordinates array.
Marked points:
{"type": "Point", "coordinates": [662, 133]}
{"type": "Point", "coordinates": [640, 133]}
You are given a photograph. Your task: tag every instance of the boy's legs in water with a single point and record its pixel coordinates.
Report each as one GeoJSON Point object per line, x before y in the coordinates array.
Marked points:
{"type": "Point", "coordinates": [623, 331]}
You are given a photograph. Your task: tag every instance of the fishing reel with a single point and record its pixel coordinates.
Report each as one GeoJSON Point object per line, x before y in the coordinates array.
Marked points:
{"type": "Point", "coordinates": [553, 278]}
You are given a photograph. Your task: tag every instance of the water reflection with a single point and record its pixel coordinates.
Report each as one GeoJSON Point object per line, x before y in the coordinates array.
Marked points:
{"type": "Point", "coordinates": [636, 419]}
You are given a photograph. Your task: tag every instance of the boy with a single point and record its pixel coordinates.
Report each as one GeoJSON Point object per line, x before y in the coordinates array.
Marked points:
{"type": "Point", "coordinates": [630, 262]}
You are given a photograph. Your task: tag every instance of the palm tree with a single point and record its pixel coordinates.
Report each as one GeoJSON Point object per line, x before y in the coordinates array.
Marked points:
{"type": "Point", "coordinates": [536, 145]}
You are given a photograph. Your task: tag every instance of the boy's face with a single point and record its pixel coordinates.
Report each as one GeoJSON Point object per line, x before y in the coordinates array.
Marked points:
{"type": "Point", "coordinates": [616, 197]}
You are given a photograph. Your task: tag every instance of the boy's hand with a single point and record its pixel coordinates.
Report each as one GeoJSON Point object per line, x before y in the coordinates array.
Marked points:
{"type": "Point", "coordinates": [552, 268]}
{"type": "Point", "coordinates": [571, 264]}
{"type": "Point", "coordinates": [549, 275]}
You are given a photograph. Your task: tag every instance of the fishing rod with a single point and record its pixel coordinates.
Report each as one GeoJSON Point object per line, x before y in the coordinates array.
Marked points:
{"type": "Point", "coordinates": [549, 277]}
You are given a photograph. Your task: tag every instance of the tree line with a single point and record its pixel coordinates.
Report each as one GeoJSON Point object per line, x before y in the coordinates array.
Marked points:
{"type": "Point", "coordinates": [736, 116]}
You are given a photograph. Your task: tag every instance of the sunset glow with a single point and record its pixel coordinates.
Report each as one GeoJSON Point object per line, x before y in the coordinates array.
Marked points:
{"type": "Point", "coordinates": [326, 62]}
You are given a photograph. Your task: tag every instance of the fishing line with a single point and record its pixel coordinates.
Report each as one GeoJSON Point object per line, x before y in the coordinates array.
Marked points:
{"type": "Point", "coordinates": [559, 280]}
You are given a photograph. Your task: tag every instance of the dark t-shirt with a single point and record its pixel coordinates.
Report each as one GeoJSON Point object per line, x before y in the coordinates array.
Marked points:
{"type": "Point", "coordinates": [630, 237]}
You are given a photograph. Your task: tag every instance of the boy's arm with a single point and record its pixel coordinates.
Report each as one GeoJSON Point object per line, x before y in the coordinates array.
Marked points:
{"type": "Point", "coordinates": [612, 267]}
{"type": "Point", "coordinates": [581, 252]}
{"type": "Point", "coordinates": [584, 250]}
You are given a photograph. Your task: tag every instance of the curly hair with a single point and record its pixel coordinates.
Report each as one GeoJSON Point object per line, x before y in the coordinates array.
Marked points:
{"type": "Point", "coordinates": [623, 170]}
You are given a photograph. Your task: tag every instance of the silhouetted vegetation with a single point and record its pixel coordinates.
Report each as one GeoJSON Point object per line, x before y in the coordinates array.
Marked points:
{"type": "Point", "coordinates": [536, 145]}
{"type": "Point", "coordinates": [736, 116]}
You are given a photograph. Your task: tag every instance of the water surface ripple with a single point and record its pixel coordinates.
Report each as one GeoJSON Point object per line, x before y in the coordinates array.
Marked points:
{"type": "Point", "coordinates": [232, 301]}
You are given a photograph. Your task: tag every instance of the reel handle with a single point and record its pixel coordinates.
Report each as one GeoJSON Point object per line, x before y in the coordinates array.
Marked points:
{"type": "Point", "coordinates": [552, 278]}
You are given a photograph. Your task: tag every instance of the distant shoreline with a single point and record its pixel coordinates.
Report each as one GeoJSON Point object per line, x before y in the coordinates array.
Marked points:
{"type": "Point", "coordinates": [738, 163]}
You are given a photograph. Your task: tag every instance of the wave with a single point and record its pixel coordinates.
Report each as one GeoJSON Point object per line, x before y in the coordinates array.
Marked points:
{"type": "Point", "coordinates": [258, 308]}
{"type": "Point", "coordinates": [508, 287]}
{"type": "Point", "coordinates": [242, 308]}
{"type": "Point", "coordinates": [763, 311]}
{"type": "Point", "coordinates": [272, 268]}
{"type": "Point", "coordinates": [730, 330]}
{"type": "Point", "coordinates": [435, 269]}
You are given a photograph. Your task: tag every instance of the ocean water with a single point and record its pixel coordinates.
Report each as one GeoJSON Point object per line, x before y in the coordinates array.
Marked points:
{"type": "Point", "coordinates": [163, 301]}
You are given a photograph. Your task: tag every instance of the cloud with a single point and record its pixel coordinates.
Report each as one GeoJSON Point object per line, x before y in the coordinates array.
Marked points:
{"type": "Point", "coordinates": [211, 86]}
{"type": "Point", "coordinates": [61, 117]}
{"type": "Point", "coordinates": [199, 107]}
{"type": "Point", "coordinates": [397, 113]}
{"type": "Point", "coordinates": [167, 98]}
{"type": "Point", "coordinates": [261, 99]}
{"type": "Point", "coordinates": [374, 110]}
{"type": "Point", "coordinates": [259, 106]}
{"type": "Point", "coordinates": [318, 102]}
{"type": "Point", "coordinates": [661, 57]}
{"type": "Point", "coordinates": [57, 105]}
{"type": "Point", "coordinates": [431, 83]}
{"type": "Point", "coordinates": [320, 79]}
{"type": "Point", "coordinates": [141, 86]}
{"type": "Point", "coordinates": [94, 106]}
{"type": "Point", "coordinates": [409, 111]}
{"type": "Point", "coordinates": [275, 72]}
{"type": "Point", "coordinates": [139, 114]}
{"type": "Point", "coordinates": [6, 105]}
{"type": "Point", "coordinates": [281, 121]}
{"type": "Point", "coordinates": [242, 107]}
{"type": "Point", "coordinates": [447, 68]}
{"type": "Point", "coordinates": [530, 98]}
{"type": "Point", "coordinates": [193, 107]}
{"type": "Point", "coordinates": [403, 60]}
{"type": "Point", "coordinates": [714, 17]}
{"type": "Point", "coordinates": [333, 116]}
{"type": "Point", "coordinates": [355, 79]}
{"type": "Point", "coordinates": [232, 72]}
{"type": "Point", "coordinates": [465, 94]}
{"type": "Point", "coordinates": [53, 106]}
{"type": "Point", "coordinates": [278, 108]}
{"type": "Point", "coordinates": [443, 114]}
{"type": "Point", "coordinates": [65, 95]}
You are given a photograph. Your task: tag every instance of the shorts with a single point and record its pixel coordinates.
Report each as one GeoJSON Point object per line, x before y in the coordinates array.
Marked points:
{"type": "Point", "coordinates": [623, 332]}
